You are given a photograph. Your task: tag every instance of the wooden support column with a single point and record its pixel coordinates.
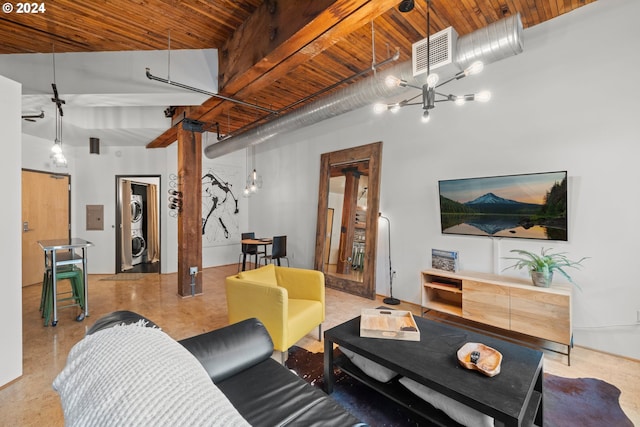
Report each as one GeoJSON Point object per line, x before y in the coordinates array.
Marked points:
{"type": "Point", "coordinates": [190, 216]}
{"type": "Point", "coordinates": [348, 224]}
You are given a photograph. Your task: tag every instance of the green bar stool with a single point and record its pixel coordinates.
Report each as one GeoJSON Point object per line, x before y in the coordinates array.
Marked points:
{"type": "Point", "coordinates": [46, 277]}
{"type": "Point", "coordinates": [75, 276]}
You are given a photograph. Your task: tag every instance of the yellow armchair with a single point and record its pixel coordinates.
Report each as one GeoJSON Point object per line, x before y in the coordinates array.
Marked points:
{"type": "Point", "coordinates": [288, 301]}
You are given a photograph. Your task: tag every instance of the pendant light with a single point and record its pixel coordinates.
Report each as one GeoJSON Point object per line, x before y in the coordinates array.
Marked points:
{"type": "Point", "coordinates": [254, 181]}
{"type": "Point", "coordinates": [56, 151]}
{"type": "Point", "coordinates": [57, 155]}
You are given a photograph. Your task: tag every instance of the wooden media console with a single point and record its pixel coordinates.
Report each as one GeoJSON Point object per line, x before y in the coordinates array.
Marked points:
{"type": "Point", "coordinates": [507, 303]}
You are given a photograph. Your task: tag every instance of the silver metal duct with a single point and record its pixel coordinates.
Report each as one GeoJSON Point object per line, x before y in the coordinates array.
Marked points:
{"type": "Point", "coordinates": [492, 43]}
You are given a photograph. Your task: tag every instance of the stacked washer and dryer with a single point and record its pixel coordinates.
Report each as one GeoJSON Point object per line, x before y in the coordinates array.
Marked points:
{"type": "Point", "coordinates": [138, 242]}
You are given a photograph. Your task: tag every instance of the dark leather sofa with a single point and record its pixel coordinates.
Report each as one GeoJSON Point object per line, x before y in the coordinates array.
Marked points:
{"type": "Point", "coordinates": [238, 360]}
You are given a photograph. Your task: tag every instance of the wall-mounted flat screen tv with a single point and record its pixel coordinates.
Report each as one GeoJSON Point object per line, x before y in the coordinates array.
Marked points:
{"type": "Point", "coordinates": [527, 206]}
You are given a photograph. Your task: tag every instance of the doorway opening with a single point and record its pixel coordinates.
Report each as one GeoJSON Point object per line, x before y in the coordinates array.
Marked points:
{"type": "Point", "coordinates": [138, 224]}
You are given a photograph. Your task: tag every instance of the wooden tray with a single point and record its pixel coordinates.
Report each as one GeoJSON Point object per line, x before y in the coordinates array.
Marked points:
{"type": "Point", "coordinates": [488, 362]}
{"type": "Point", "coordinates": [388, 324]}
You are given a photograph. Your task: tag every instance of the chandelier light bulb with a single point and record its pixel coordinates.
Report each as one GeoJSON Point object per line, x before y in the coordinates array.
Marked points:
{"type": "Point", "coordinates": [57, 148]}
{"type": "Point", "coordinates": [474, 68]}
{"type": "Point", "coordinates": [392, 81]}
{"type": "Point", "coordinates": [425, 117]}
{"type": "Point", "coordinates": [395, 108]}
{"type": "Point", "coordinates": [379, 108]}
{"type": "Point", "coordinates": [483, 96]}
{"type": "Point", "coordinates": [246, 192]}
{"type": "Point", "coordinates": [432, 80]}
{"type": "Point", "coordinates": [59, 160]}
{"type": "Point", "coordinates": [254, 182]}
{"type": "Point", "coordinates": [459, 100]}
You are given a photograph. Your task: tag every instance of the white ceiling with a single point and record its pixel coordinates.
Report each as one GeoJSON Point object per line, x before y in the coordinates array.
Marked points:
{"type": "Point", "coordinates": [107, 94]}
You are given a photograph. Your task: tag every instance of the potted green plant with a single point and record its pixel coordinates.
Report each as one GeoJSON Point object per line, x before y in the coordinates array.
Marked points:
{"type": "Point", "coordinates": [543, 265]}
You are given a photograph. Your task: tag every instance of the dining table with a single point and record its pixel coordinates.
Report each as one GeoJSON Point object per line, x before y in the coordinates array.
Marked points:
{"type": "Point", "coordinates": [266, 241]}
{"type": "Point", "coordinates": [61, 252]}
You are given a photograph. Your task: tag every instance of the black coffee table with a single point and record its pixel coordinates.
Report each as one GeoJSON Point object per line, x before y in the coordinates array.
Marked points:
{"type": "Point", "coordinates": [514, 396]}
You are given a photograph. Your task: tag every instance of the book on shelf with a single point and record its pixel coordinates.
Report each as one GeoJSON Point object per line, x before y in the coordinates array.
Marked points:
{"type": "Point", "coordinates": [444, 260]}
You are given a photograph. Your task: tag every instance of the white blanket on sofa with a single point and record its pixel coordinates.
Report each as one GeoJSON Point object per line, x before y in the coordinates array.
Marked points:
{"type": "Point", "coordinates": [131, 375]}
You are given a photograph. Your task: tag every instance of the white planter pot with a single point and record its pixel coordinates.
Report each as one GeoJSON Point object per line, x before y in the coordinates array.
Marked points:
{"type": "Point", "coordinates": [540, 279]}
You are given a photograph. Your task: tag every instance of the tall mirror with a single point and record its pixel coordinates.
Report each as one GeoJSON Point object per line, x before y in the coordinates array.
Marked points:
{"type": "Point", "coordinates": [347, 229]}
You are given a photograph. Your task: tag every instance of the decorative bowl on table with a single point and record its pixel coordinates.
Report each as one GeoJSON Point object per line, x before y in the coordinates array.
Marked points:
{"type": "Point", "coordinates": [481, 358]}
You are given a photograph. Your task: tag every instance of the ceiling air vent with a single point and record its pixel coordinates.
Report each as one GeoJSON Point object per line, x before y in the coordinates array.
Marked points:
{"type": "Point", "coordinates": [442, 45]}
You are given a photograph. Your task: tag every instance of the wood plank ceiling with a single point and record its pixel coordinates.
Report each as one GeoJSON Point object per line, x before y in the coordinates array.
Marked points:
{"type": "Point", "coordinates": [272, 53]}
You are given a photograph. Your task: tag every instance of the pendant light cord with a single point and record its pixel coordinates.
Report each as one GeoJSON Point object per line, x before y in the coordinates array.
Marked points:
{"type": "Point", "coordinates": [428, 37]}
{"type": "Point", "coordinates": [58, 138]}
{"type": "Point", "coordinates": [53, 56]}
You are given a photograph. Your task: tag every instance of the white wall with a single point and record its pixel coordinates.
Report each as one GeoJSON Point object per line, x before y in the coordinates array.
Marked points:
{"type": "Point", "coordinates": [10, 226]}
{"type": "Point", "coordinates": [569, 102]}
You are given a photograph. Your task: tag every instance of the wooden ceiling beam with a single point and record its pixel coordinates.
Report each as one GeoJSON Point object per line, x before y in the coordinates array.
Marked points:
{"type": "Point", "coordinates": [276, 30]}
{"type": "Point", "coordinates": [298, 38]}
{"type": "Point", "coordinates": [346, 26]}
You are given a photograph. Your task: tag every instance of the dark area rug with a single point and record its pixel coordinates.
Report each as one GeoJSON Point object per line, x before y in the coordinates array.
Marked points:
{"type": "Point", "coordinates": [582, 402]}
{"type": "Point", "coordinates": [585, 402]}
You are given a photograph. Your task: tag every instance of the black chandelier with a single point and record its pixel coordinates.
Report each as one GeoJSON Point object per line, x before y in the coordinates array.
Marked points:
{"type": "Point", "coordinates": [430, 94]}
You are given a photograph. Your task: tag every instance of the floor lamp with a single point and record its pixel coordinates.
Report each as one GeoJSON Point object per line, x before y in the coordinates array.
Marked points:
{"type": "Point", "coordinates": [390, 300]}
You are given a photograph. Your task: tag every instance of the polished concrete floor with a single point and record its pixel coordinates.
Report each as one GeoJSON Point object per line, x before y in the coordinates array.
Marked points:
{"type": "Point", "coordinates": [145, 267]}
{"type": "Point", "coordinates": [31, 401]}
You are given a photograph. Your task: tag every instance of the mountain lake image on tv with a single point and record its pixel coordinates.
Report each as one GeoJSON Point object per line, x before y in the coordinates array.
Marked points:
{"type": "Point", "coordinates": [527, 206]}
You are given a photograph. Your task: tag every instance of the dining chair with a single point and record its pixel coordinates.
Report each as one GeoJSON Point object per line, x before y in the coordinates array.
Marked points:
{"type": "Point", "coordinates": [249, 250]}
{"type": "Point", "coordinates": [278, 251]}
